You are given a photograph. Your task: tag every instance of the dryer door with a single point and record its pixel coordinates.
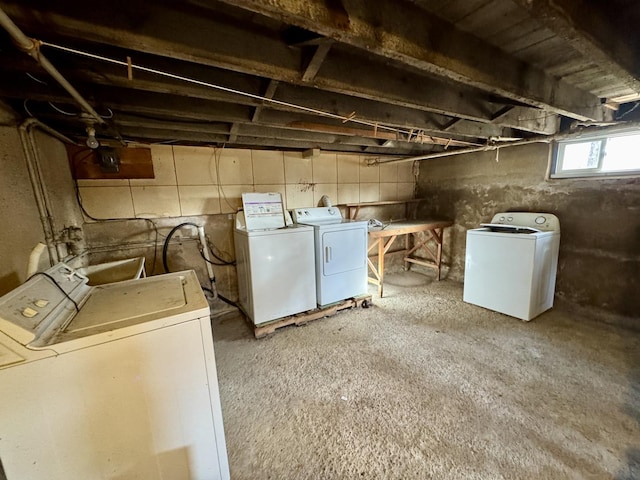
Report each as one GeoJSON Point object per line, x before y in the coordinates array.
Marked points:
{"type": "Point", "coordinates": [343, 250]}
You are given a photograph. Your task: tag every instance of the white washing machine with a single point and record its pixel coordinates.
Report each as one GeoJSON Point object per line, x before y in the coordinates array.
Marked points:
{"type": "Point", "coordinates": [511, 264]}
{"type": "Point", "coordinates": [122, 384]}
{"type": "Point", "coordinates": [275, 261]}
{"type": "Point", "coordinates": [340, 252]}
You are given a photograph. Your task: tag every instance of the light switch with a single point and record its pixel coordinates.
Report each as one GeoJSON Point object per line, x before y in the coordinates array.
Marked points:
{"type": "Point", "coordinates": [41, 303]}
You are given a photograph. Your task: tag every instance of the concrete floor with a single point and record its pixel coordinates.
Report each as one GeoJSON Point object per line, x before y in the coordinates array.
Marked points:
{"type": "Point", "coordinates": [422, 385]}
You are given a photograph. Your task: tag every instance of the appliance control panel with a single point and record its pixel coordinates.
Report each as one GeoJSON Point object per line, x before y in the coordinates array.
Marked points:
{"type": "Point", "coordinates": [316, 214]}
{"type": "Point", "coordinates": [546, 222]}
{"type": "Point", "coordinates": [26, 310]}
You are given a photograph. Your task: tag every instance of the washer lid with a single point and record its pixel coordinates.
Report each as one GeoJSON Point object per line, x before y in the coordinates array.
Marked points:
{"type": "Point", "coordinates": [116, 307]}
{"type": "Point", "coordinates": [502, 228]}
{"type": "Point", "coordinates": [115, 303]}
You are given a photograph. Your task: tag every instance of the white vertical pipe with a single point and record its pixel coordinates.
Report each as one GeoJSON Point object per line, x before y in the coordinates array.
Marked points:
{"type": "Point", "coordinates": [205, 253]}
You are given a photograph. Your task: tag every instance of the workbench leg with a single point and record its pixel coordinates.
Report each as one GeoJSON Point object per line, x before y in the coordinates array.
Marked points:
{"type": "Point", "coordinates": [380, 267]}
{"type": "Point", "coordinates": [407, 247]}
{"type": "Point", "coordinates": [439, 254]}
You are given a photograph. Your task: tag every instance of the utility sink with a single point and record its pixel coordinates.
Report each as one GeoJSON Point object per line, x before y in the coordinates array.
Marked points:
{"type": "Point", "coordinates": [116, 271]}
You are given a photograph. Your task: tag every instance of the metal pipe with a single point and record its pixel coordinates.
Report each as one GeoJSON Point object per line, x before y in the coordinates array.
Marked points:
{"type": "Point", "coordinates": [34, 122]}
{"type": "Point", "coordinates": [32, 48]}
{"type": "Point", "coordinates": [43, 210]}
{"type": "Point", "coordinates": [608, 129]}
{"type": "Point", "coordinates": [41, 195]}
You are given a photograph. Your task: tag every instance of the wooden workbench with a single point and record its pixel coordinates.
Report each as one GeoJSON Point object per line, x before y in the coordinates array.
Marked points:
{"type": "Point", "coordinates": [383, 238]}
{"type": "Point", "coordinates": [353, 209]}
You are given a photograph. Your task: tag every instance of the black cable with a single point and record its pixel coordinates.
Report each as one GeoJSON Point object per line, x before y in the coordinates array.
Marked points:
{"type": "Point", "coordinates": [213, 249]}
{"type": "Point", "coordinates": [225, 264]}
{"type": "Point", "coordinates": [225, 300]}
{"type": "Point", "coordinates": [166, 265]}
{"type": "Point", "coordinates": [53, 280]}
{"type": "Point", "coordinates": [230, 302]}
{"type": "Point", "coordinates": [165, 247]}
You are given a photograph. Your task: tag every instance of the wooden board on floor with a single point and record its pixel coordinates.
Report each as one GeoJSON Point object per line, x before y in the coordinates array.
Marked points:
{"type": "Point", "coordinates": [265, 329]}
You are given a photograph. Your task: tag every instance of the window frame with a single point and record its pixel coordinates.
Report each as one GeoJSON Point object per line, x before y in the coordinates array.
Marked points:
{"type": "Point", "coordinates": [557, 157]}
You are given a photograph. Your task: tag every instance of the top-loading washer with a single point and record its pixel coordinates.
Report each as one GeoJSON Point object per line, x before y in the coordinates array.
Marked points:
{"type": "Point", "coordinates": [275, 261]}
{"type": "Point", "coordinates": [511, 264]}
{"type": "Point", "coordinates": [341, 253]}
{"type": "Point", "coordinates": [111, 381]}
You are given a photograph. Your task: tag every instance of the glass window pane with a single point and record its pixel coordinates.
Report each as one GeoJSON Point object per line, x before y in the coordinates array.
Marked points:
{"type": "Point", "coordinates": [622, 153]}
{"type": "Point", "coordinates": [580, 156]}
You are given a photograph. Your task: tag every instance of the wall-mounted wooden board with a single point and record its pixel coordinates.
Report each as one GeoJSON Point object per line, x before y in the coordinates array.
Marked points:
{"type": "Point", "coordinates": [134, 163]}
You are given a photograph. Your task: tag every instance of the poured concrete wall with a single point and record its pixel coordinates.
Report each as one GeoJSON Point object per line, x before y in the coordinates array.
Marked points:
{"type": "Point", "coordinates": [599, 263]}
{"type": "Point", "coordinates": [21, 227]}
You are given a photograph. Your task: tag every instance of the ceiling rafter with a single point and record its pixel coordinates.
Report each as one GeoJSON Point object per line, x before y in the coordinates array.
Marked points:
{"type": "Point", "coordinates": [265, 56]}
{"type": "Point", "coordinates": [588, 31]}
{"type": "Point", "coordinates": [414, 37]}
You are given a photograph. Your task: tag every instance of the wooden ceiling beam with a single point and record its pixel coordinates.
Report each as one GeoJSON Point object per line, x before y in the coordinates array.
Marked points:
{"type": "Point", "coordinates": [183, 36]}
{"type": "Point", "coordinates": [269, 93]}
{"type": "Point", "coordinates": [319, 54]}
{"type": "Point", "coordinates": [418, 39]}
{"type": "Point", "coordinates": [367, 110]}
{"type": "Point", "coordinates": [586, 27]}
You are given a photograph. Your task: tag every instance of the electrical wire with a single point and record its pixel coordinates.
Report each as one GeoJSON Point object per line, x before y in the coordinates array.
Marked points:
{"type": "Point", "coordinates": [227, 301]}
{"type": "Point", "coordinates": [26, 109]}
{"type": "Point", "coordinates": [53, 280]}
{"type": "Point", "coordinates": [74, 162]}
{"type": "Point", "coordinates": [635, 106]}
{"type": "Point", "coordinates": [110, 114]}
{"type": "Point", "coordinates": [36, 79]}
{"type": "Point", "coordinates": [315, 111]}
{"type": "Point", "coordinates": [59, 110]}
{"type": "Point", "coordinates": [212, 250]}
{"type": "Point", "coordinates": [224, 299]}
{"type": "Point", "coordinates": [165, 247]}
{"type": "Point", "coordinates": [224, 264]}
{"type": "Point", "coordinates": [220, 186]}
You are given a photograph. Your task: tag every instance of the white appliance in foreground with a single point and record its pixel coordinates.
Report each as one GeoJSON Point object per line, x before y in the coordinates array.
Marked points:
{"type": "Point", "coordinates": [341, 253]}
{"type": "Point", "coordinates": [275, 263]}
{"type": "Point", "coordinates": [511, 263]}
{"type": "Point", "coordinates": [123, 387]}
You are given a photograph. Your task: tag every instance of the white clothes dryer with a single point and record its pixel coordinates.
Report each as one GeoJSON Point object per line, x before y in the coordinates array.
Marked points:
{"type": "Point", "coordinates": [511, 264]}
{"type": "Point", "coordinates": [341, 253]}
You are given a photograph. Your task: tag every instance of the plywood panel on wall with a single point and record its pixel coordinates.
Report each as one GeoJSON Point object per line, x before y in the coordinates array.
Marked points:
{"type": "Point", "coordinates": [134, 163]}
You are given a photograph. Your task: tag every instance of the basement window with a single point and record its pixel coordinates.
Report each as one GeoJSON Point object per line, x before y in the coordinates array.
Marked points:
{"type": "Point", "coordinates": [597, 156]}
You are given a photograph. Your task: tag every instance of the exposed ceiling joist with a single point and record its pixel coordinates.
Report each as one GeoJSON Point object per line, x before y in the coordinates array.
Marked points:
{"type": "Point", "coordinates": [580, 24]}
{"type": "Point", "coordinates": [367, 110]}
{"type": "Point", "coordinates": [269, 93]}
{"type": "Point", "coordinates": [264, 56]}
{"type": "Point", "coordinates": [416, 38]}
{"type": "Point", "coordinates": [319, 54]}
{"type": "Point", "coordinates": [349, 75]}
